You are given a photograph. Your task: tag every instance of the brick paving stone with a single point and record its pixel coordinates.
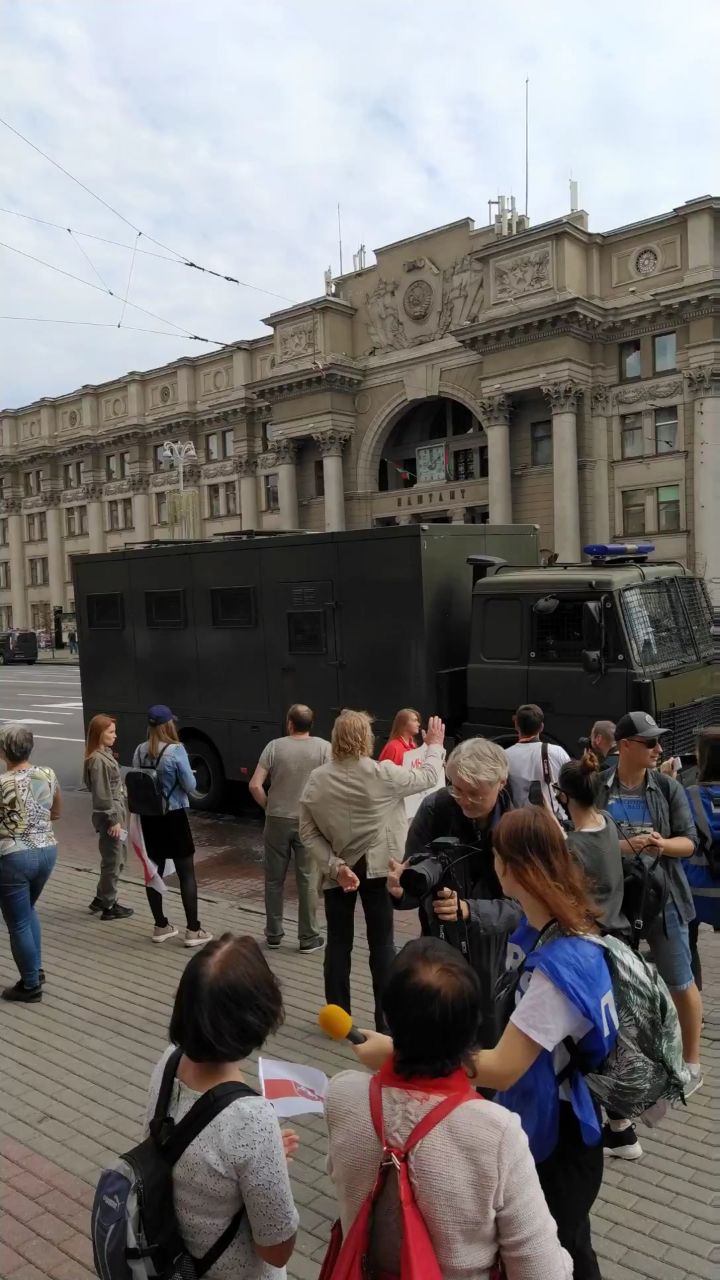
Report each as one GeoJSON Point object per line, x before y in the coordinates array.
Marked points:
{"type": "Point", "coordinates": [77, 1066]}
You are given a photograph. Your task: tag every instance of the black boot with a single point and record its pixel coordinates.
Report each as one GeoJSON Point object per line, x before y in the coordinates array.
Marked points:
{"type": "Point", "coordinates": [27, 995]}
{"type": "Point", "coordinates": [116, 912]}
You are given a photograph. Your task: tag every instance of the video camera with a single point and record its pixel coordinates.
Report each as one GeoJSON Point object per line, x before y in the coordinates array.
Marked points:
{"type": "Point", "coordinates": [433, 869]}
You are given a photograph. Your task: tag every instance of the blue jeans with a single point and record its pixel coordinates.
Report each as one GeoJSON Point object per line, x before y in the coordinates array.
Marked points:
{"type": "Point", "coordinates": [23, 876]}
{"type": "Point", "coordinates": [670, 949]}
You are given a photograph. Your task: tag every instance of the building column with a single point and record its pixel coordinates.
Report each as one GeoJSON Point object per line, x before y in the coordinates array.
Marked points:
{"type": "Point", "coordinates": [286, 455]}
{"type": "Point", "coordinates": [18, 589]}
{"type": "Point", "coordinates": [96, 523]}
{"type": "Point", "coordinates": [563, 398]}
{"type": "Point", "coordinates": [331, 444]}
{"type": "Point", "coordinates": [246, 468]}
{"type": "Point", "coordinates": [600, 405]}
{"type": "Point", "coordinates": [496, 421]}
{"type": "Point", "coordinates": [705, 384]}
{"type": "Point", "coordinates": [56, 566]}
{"type": "Point", "coordinates": [141, 508]}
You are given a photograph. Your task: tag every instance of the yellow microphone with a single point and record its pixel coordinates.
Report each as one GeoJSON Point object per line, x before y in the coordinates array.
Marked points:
{"type": "Point", "coordinates": [338, 1025]}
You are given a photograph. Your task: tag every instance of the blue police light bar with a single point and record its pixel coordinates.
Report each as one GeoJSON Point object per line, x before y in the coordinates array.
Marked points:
{"type": "Point", "coordinates": [601, 550]}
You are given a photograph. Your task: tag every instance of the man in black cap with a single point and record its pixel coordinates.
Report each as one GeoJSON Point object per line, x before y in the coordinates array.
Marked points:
{"type": "Point", "coordinates": [654, 817]}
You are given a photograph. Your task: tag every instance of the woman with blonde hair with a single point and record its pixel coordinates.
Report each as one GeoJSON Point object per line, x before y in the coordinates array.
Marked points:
{"type": "Point", "coordinates": [103, 779]}
{"type": "Point", "coordinates": [352, 822]}
{"type": "Point", "coordinates": [167, 835]}
{"type": "Point", "coordinates": [403, 734]}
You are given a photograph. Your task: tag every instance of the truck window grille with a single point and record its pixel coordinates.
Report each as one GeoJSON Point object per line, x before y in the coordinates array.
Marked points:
{"type": "Point", "coordinates": [668, 624]}
{"type": "Point", "coordinates": [683, 722]}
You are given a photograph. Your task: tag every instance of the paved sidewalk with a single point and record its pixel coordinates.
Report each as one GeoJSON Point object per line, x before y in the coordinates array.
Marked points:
{"type": "Point", "coordinates": [74, 1073]}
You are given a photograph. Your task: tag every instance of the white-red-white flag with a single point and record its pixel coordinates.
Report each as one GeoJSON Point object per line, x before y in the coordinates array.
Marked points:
{"type": "Point", "coordinates": [151, 875]}
{"type": "Point", "coordinates": [293, 1089]}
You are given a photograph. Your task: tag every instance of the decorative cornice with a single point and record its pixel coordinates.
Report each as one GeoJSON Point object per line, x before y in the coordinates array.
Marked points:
{"type": "Point", "coordinates": [495, 410]}
{"type": "Point", "coordinates": [650, 391]}
{"type": "Point", "coordinates": [320, 376]}
{"type": "Point", "coordinates": [332, 442]}
{"type": "Point", "coordinates": [599, 399]}
{"type": "Point", "coordinates": [9, 506]}
{"type": "Point", "coordinates": [282, 453]}
{"type": "Point", "coordinates": [139, 483]}
{"type": "Point", "coordinates": [704, 380]}
{"type": "Point", "coordinates": [225, 468]}
{"type": "Point", "coordinates": [562, 396]}
{"type": "Point", "coordinates": [117, 489]}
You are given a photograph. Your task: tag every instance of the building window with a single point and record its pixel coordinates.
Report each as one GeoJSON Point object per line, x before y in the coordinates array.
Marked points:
{"type": "Point", "coordinates": [75, 521]}
{"type": "Point", "coordinates": [112, 467]}
{"type": "Point", "coordinates": [38, 571]}
{"type": "Point", "coordinates": [113, 520]}
{"type": "Point", "coordinates": [231, 502]}
{"type": "Point", "coordinates": [665, 352]}
{"type": "Point", "coordinates": [319, 474]}
{"type": "Point", "coordinates": [463, 464]}
{"type": "Point", "coordinates": [105, 612]}
{"type": "Point", "coordinates": [233, 606]}
{"type": "Point", "coordinates": [228, 443]}
{"type": "Point", "coordinates": [4, 575]}
{"type": "Point", "coordinates": [127, 514]}
{"type": "Point", "coordinates": [6, 618]}
{"type": "Point", "coordinates": [124, 464]}
{"type": "Point", "coordinates": [161, 508]}
{"type": "Point", "coordinates": [165, 609]}
{"type": "Point", "coordinates": [270, 485]}
{"type": "Point", "coordinates": [40, 616]}
{"type": "Point", "coordinates": [3, 533]}
{"type": "Point", "coordinates": [541, 454]}
{"type": "Point", "coordinates": [631, 435]}
{"type": "Point", "coordinates": [72, 475]}
{"type": "Point", "coordinates": [219, 444]}
{"type": "Point", "coordinates": [666, 429]}
{"type": "Point", "coordinates": [32, 483]}
{"type": "Point", "coordinates": [668, 507]}
{"type": "Point", "coordinates": [633, 505]}
{"type": "Point", "coordinates": [160, 462]}
{"type": "Point", "coordinates": [212, 447]}
{"type": "Point", "coordinates": [213, 493]}
{"type": "Point", "coordinates": [36, 527]}
{"type": "Point", "coordinates": [630, 360]}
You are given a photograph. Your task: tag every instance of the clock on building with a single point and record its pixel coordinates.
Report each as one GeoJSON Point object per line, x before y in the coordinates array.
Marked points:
{"type": "Point", "coordinates": [431, 464]}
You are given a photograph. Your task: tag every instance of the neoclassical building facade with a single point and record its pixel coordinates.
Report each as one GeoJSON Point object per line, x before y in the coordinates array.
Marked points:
{"type": "Point", "coordinates": [550, 375]}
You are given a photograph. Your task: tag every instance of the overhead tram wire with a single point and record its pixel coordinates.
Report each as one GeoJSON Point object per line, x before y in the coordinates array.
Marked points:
{"type": "Point", "coordinates": [98, 324]}
{"type": "Point", "coordinates": [213, 342]}
{"type": "Point", "coordinates": [181, 257]}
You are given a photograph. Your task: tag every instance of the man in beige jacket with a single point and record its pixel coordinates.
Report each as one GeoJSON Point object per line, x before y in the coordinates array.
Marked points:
{"type": "Point", "coordinates": [352, 822]}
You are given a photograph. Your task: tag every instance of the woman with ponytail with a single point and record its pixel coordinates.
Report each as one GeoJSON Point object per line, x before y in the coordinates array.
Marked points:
{"type": "Point", "coordinates": [594, 840]}
{"type": "Point", "coordinates": [562, 1017]}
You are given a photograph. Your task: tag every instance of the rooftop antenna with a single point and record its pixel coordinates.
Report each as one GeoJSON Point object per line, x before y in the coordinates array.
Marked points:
{"type": "Point", "coordinates": [527, 140]}
{"type": "Point", "coordinates": [340, 239]}
{"type": "Point", "coordinates": [574, 198]}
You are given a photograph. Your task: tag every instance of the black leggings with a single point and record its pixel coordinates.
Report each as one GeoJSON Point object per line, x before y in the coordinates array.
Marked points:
{"type": "Point", "coordinates": [185, 872]}
{"type": "Point", "coordinates": [570, 1179]}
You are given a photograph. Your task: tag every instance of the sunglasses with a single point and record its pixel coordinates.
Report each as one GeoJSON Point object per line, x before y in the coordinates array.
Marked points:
{"type": "Point", "coordinates": [650, 743]}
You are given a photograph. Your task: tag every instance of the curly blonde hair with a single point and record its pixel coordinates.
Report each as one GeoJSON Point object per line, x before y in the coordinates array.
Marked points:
{"type": "Point", "coordinates": [352, 735]}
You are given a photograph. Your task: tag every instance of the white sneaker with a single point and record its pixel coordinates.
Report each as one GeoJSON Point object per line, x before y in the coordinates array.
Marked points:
{"type": "Point", "coordinates": [162, 932]}
{"type": "Point", "coordinates": [197, 937]}
{"type": "Point", "coordinates": [696, 1081]}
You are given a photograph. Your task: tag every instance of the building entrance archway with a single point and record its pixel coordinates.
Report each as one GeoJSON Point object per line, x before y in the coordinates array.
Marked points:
{"type": "Point", "coordinates": [433, 441]}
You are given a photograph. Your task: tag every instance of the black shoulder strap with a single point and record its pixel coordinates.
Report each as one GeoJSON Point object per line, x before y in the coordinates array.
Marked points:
{"type": "Point", "coordinates": [165, 1090]}
{"type": "Point", "coordinates": [545, 763]}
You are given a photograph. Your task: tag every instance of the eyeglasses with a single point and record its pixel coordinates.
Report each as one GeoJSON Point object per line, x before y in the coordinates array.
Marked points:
{"type": "Point", "coordinates": [650, 743]}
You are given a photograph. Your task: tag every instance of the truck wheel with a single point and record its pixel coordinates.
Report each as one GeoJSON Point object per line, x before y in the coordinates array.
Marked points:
{"type": "Point", "coordinates": [30, 662]}
{"type": "Point", "coordinates": [210, 777]}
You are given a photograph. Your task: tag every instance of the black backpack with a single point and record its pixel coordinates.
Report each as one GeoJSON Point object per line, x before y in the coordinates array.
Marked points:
{"type": "Point", "coordinates": [144, 792]}
{"type": "Point", "coordinates": [135, 1232]}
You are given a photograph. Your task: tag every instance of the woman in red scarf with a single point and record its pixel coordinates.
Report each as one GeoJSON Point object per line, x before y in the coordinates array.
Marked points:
{"type": "Point", "coordinates": [403, 734]}
{"type": "Point", "coordinates": [473, 1177]}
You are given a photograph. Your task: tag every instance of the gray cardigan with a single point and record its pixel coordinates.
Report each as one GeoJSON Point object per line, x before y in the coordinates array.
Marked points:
{"type": "Point", "coordinates": [103, 779]}
{"type": "Point", "coordinates": [670, 813]}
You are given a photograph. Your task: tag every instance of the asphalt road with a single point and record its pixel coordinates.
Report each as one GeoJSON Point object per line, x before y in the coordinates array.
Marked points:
{"type": "Point", "coordinates": [47, 699]}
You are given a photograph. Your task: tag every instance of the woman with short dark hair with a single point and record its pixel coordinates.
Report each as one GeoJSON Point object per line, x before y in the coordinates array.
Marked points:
{"type": "Point", "coordinates": [594, 839]}
{"type": "Point", "coordinates": [472, 1174]}
{"type": "Point", "coordinates": [30, 802]}
{"type": "Point", "coordinates": [227, 1004]}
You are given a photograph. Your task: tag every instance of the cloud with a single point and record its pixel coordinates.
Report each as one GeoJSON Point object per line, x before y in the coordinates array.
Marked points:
{"type": "Point", "coordinates": [230, 131]}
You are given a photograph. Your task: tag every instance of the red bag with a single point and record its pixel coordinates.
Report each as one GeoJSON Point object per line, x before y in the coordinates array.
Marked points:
{"type": "Point", "coordinates": [347, 1259]}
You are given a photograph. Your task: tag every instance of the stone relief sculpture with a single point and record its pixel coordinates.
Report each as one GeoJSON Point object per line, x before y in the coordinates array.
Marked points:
{"type": "Point", "coordinates": [384, 327]}
{"type": "Point", "coordinates": [296, 341]}
{"type": "Point", "coordinates": [463, 293]}
{"type": "Point", "coordinates": [521, 274]}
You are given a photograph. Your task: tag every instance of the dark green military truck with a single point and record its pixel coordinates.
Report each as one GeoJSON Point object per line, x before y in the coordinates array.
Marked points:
{"type": "Point", "coordinates": [459, 619]}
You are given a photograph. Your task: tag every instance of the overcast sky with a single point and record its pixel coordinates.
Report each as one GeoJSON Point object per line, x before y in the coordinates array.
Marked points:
{"type": "Point", "coordinates": [229, 130]}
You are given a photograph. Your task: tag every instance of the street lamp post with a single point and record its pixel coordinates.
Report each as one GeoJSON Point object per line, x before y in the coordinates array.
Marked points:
{"type": "Point", "coordinates": [177, 454]}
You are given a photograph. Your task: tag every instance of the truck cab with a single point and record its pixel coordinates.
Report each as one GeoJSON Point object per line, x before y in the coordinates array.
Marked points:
{"type": "Point", "coordinates": [592, 641]}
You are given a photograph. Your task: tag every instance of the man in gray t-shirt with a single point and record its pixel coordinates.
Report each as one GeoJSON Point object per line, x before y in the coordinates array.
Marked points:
{"type": "Point", "coordinates": [286, 764]}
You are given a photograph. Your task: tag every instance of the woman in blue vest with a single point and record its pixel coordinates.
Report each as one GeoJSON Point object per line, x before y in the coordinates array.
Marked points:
{"type": "Point", "coordinates": [704, 801]}
{"type": "Point", "coordinates": [561, 1000]}
{"type": "Point", "coordinates": [563, 1012]}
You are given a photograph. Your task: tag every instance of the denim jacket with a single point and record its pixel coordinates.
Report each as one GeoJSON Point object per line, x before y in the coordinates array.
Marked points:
{"type": "Point", "coordinates": [670, 813]}
{"type": "Point", "coordinates": [174, 773]}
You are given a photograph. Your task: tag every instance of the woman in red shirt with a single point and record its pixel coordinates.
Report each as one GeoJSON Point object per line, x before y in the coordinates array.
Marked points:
{"type": "Point", "coordinates": [404, 731]}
